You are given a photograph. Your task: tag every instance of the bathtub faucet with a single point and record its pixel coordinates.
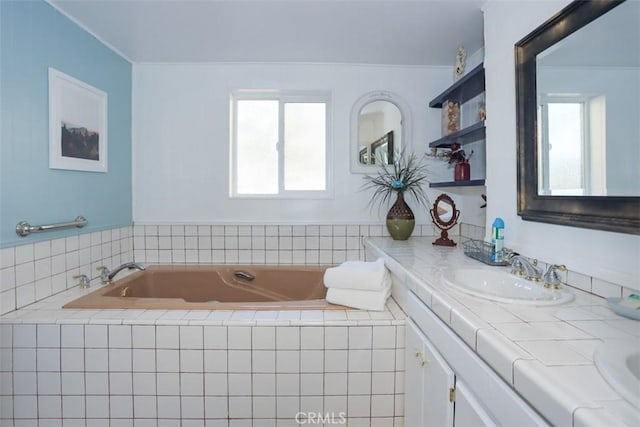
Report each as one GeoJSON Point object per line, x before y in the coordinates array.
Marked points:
{"type": "Point", "coordinates": [244, 275]}
{"type": "Point", "coordinates": [110, 275]}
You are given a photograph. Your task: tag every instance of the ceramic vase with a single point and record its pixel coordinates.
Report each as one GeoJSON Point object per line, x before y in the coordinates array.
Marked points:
{"type": "Point", "coordinates": [462, 172]}
{"type": "Point", "coordinates": [400, 219]}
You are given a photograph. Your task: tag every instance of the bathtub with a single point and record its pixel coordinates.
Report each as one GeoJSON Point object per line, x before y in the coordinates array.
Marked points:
{"type": "Point", "coordinates": [222, 287]}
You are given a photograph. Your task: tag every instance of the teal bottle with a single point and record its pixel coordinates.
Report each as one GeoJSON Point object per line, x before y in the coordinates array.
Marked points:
{"type": "Point", "coordinates": [497, 240]}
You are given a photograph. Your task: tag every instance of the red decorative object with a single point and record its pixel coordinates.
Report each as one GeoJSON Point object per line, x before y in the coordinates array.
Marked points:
{"type": "Point", "coordinates": [462, 172]}
{"type": "Point", "coordinates": [457, 157]}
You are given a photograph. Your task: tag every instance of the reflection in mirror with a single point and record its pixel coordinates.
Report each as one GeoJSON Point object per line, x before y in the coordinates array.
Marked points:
{"type": "Point", "coordinates": [578, 103]}
{"type": "Point", "coordinates": [445, 216]}
{"type": "Point", "coordinates": [382, 150]}
{"type": "Point", "coordinates": [379, 129]}
{"type": "Point", "coordinates": [445, 212]}
{"type": "Point", "coordinates": [378, 123]}
{"type": "Point", "coordinates": [588, 92]}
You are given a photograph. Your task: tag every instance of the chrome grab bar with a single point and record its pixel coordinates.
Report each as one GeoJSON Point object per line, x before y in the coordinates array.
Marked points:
{"type": "Point", "coordinates": [24, 228]}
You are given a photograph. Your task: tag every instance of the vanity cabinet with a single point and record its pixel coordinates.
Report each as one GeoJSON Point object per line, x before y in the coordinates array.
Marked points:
{"type": "Point", "coordinates": [467, 89]}
{"type": "Point", "coordinates": [438, 363]}
{"type": "Point", "coordinates": [429, 381]}
{"type": "Point", "coordinates": [469, 410]}
{"type": "Point", "coordinates": [433, 394]}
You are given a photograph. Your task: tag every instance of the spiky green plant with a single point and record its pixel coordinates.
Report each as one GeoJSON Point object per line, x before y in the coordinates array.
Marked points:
{"type": "Point", "coordinates": [405, 175]}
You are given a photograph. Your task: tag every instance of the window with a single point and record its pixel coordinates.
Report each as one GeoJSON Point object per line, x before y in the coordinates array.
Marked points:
{"type": "Point", "coordinates": [572, 145]}
{"type": "Point", "coordinates": [279, 144]}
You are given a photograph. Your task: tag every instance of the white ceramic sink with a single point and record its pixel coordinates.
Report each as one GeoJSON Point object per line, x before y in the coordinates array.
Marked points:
{"type": "Point", "coordinates": [501, 286]}
{"type": "Point", "coordinates": [619, 363]}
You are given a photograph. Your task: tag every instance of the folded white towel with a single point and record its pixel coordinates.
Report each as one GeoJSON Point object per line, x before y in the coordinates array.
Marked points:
{"type": "Point", "coordinates": [364, 300]}
{"type": "Point", "coordinates": [366, 276]}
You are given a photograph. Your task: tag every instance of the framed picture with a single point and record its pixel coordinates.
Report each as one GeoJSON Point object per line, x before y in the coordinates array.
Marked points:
{"type": "Point", "coordinates": [77, 124]}
{"type": "Point", "coordinates": [382, 149]}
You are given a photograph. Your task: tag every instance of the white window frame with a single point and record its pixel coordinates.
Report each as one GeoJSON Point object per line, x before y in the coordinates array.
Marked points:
{"type": "Point", "coordinates": [283, 97]}
{"type": "Point", "coordinates": [585, 172]}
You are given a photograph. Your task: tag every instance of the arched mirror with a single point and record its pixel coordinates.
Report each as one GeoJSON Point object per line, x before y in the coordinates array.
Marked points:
{"type": "Point", "coordinates": [379, 130]}
{"type": "Point", "coordinates": [445, 216]}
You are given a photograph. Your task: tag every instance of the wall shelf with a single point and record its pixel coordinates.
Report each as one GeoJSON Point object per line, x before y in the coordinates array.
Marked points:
{"type": "Point", "coordinates": [467, 135]}
{"type": "Point", "coordinates": [469, 85]}
{"type": "Point", "coordinates": [470, 183]}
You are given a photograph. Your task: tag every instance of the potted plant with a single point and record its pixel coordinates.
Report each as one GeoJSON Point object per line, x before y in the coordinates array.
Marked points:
{"type": "Point", "coordinates": [457, 157]}
{"type": "Point", "coordinates": [462, 169]}
{"type": "Point", "coordinates": [405, 176]}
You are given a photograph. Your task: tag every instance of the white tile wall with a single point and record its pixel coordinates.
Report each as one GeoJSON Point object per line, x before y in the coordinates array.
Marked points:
{"type": "Point", "coordinates": [256, 244]}
{"type": "Point", "coordinates": [261, 367]}
{"type": "Point", "coordinates": [470, 231]}
{"type": "Point", "coordinates": [56, 374]}
{"type": "Point", "coordinates": [34, 271]}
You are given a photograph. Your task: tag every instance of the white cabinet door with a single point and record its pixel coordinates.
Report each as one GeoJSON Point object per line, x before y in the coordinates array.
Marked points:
{"type": "Point", "coordinates": [469, 411]}
{"type": "Point", "coordinates": [438, 379]}
{"type": "Point", "coordinates": [428, 380]}
{"type": "Point", "coordinates": [413, 377]}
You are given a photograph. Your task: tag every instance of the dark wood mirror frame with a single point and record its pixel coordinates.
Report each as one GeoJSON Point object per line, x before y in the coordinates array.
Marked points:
{"type": "Point", "coordinates": [386, 141]}
{"type": "Point", "coordinates": [619, 214]}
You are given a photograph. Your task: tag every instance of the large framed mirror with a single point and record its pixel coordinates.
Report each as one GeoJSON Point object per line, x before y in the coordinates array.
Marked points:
{"type": "Point", "coordinates": [578, 110]}
{"type": "Point", "coordinates": [380, 128]}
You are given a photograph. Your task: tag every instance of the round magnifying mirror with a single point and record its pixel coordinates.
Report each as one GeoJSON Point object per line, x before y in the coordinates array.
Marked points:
{"type": "Point", "coordinates": [444, 212]}
{"type": "Point", "coordinates": [445, 216]}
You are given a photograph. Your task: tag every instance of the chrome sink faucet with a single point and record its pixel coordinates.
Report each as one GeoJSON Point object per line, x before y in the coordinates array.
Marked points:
{"type": "Point", "coordinates": [107, 276]}
{"type": "Point", "coordinates": [552, 277]}
{"type": "Point", "coordinates": [521, 266]}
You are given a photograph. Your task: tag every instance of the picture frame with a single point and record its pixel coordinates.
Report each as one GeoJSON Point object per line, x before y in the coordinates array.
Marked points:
{"type": "Point", "coordinates": [382, 149]}
{"type": "Point", "coordinates": [77, 124]}
{"type": "Point", "coordinates": [363, 156]}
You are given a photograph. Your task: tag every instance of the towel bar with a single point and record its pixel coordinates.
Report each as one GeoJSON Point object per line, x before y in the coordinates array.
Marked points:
{"type": "Point", "coordinates": [23, 228]}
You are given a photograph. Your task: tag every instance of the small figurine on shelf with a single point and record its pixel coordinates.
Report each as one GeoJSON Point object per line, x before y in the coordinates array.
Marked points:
{"type": "Point", "coordinates": [482, 113]}
{"type": "Point", "coordinates": [461, 62]}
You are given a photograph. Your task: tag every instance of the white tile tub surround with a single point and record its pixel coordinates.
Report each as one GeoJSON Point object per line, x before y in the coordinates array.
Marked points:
{"type": "Point", "coordinates": [544, 353]}
{"type": "Point", "coordinates": [215, 367]}
{"type": "Point", "coordinates": [256, 244]}
{"type": "Point", "coordinates": [35, 271]}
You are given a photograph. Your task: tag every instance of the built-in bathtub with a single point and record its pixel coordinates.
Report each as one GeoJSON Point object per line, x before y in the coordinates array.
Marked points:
{"type": "Point", "coordinates": [221, 287]}
{"type": "Point", "coordinates": [233, 367]}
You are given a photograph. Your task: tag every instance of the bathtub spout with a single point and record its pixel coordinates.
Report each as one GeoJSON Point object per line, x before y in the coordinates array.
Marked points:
{"type": "Point", "coordinates": [128, 265]}
{"type": "Point", "coordinates": [244, 275]}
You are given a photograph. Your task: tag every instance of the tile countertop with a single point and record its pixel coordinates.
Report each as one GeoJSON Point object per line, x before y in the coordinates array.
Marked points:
{"type": "Point", "coordinates": [544, 353]}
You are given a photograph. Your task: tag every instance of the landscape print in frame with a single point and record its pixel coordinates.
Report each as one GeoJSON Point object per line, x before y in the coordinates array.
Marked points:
{"type": "Point", "coordinates": [77, 124]}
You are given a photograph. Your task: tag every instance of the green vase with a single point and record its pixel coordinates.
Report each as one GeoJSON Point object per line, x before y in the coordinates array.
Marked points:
{"type": "Point", "coordinates": [400, 219]}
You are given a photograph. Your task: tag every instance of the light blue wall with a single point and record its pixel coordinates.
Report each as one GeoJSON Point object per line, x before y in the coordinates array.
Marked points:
{"type": "Point", "coordinates": [34, 36]}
